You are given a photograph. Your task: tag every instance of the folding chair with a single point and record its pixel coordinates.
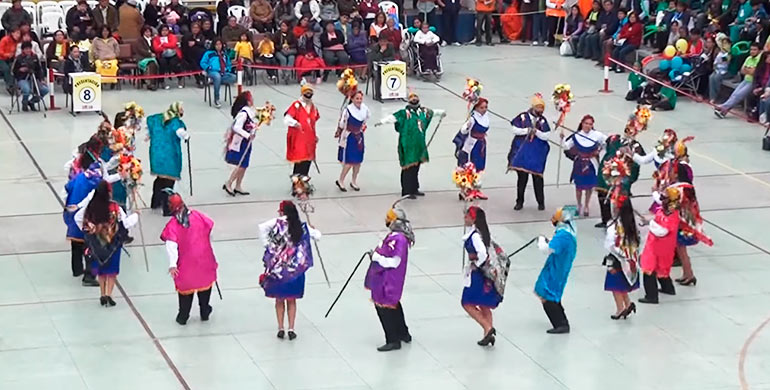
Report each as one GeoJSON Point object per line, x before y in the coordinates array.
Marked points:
{"type": "Point", "coordinates": [208, 85]}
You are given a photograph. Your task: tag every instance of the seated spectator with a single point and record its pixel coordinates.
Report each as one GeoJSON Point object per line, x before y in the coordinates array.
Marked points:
{"type": "Point", "coordinates": [75, 63]}
{"type": "Point", "coordinates": [193, 48]}
{"type": "Point", "coordinates": [608, 40]}
{"type": "Point", "coordinates": [35, 47]}
{"type": "Point", "coordinates": [25, 28]}
{"type": "Point", "coordinates": [428, 49]}
{"type": "Point", "coordinates": [184, 15]}
{"type": "Point", "coordinates": [349, 8]}
{"type": "Point", "coordinates": [678, 14]}
{"type": "Point", "coordinates": [629, 39]}
{"type": "Point", "coordinates": [232, 32]}
{"type": "Point", "coordinates": [301, 27]}
{"type": "Point", "coordinates": [583, 48]}
{"type": "Point", "coordinates": [344, 25]}
{"type": "Point", "coordinates": [379, 24]}
{"type": "Point", "coordinates": [30, 77]}
{"type": "Point", "coordinates": [636, 83]}
{"type": "Point", "coordinates": [56, 52]}
{"type": "Point", "coordinates": [309, 59]}
{"type": "Point", "coordinates": [417, 25]}
{"type": "Point", "coordinates": [171, 20]}
{"type": "Point", "coordinates": [131, 20]}
{"type": "Point", "coordinates": [244, 52]}
{"type": "Point", "coordinates": [759, 88]}
{"type": "Point", "coordinates": [696, 43]}
{"type": "Point", "coordinates": [104, 53]}
{"type": "Point", "coordinates": [78, 19]}
{"type": "Point", "coordinates": [145, 56]}
{"type": "Point", "coordinates": [744, 88]}
{"type": "Point", "coordinates": [392, 34]}
{"type": "Point", "coordinates": [222, 8]}
{"type": "Point", "coordinates": [381, 51]}
{"type": "Point", "coordinates": [286, 44]}
{"type": "Point", "coordinates": [83, 40]}
{"type": "Point", "coordinates": [152, 13]}
{"type": "Point", "coordinates": [745, 10]}
{"type": "Point", "coordinates": [15, 16]}
{"type": "Point", "coordinates": [105, 14]}
{"type": "Point", "coordinates": [207, 29]}
{"type": "Point", "coordinates": [309, 9]}
{"type": "Point", "coordinates": [573, 27]}
{"type": "Point", "coordinates": [333, 46]}
{"type": "Point", "coordinates": [218, 68]}
{"type": "Point", "coordinates": [266, 51]}
{"type": "Point", "coordinates": [357, 43]}
{"type": "Point", "coordinates": [284, 11]}
{"type": "Point", "coordinates": [261, 13]}
{"type": "Point", "coordinates": [329, 11]}
{"type": "Point", "coordinates": [7, 54]}
{"type": "Point", "coordinates": [606, 25]}
{"type": "Point", "coordinates": [368, 9]}
{"type": "Point", "coordinates": [754, 23]}
{"type": "Point", "coordinates": [674, 34]}
{"type": "Point", "coordinates": [166, 48]}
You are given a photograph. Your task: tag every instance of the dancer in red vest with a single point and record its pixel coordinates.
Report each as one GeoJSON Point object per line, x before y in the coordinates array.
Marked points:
{"type": "Point", "coordinates": [301, 139]}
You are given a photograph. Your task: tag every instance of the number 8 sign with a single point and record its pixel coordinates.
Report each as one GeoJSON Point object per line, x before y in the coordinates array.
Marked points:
{"type": "Point", "coordinates": [393, 76]}
{"type": "Point", "coordinates": [86, 92]}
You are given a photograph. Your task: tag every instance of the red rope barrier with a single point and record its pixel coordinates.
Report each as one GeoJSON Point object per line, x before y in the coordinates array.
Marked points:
{"type": "Point", "coordinates": [278, 67]}
{"type": "Point", "coordinates": [148, 76]}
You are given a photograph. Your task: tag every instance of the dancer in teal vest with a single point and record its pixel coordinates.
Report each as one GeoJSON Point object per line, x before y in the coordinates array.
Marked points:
{"type": "Point", "coordinates": [166, 131]}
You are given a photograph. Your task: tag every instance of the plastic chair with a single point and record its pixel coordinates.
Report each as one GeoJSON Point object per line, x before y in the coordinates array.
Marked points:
{"type": "Point", "coordinates": [391, 10]}
{"type": "Point", "coordinates": [163, 3]}
{"type": "Point", "coordinates": [92, 3]}
{"type": "Point", "coordinates": [52, 21]}
{"type": "Point", "coordinates": [5, 7]}
{"type": "Point", "coordinates": [238, 11]}
{"type": "Point", "coordinates": [66, 5]}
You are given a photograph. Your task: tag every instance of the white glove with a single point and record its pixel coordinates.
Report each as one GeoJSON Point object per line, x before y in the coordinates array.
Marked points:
{"type": "Point", "coordinates": [439, 113]}
{"type": "Point", "coordinates": [656, 197]}
{"type": "Point", "coordinates": [183, 134]}
{"type": "Point", "coordinates": [542, 244]}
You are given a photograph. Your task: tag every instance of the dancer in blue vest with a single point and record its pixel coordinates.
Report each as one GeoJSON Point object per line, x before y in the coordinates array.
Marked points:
{"type": "Point", "coordinates": [529, 151]}
{"type": "Point", "coordinates": [471, 141]}
{"type": "Point", "coordinates": [584, 145]}
{"type": "Point", "coordinates": [166, 131]}
{"type": "Point", "coordinates": [350, 132]}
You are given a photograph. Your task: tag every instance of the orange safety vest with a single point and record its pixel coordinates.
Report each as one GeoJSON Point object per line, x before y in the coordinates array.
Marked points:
{"type": "Point", "coordinates": [556, 12]}
{"type": "Point", "coordinates": [482, 7]}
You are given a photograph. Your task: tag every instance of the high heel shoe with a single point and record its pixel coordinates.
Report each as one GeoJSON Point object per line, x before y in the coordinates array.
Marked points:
{"type": "Point", "coordinates": [616, 317]}
{"type": "Point", "coordinates": [629, 309]}
{"type": "Point", "coordinates": [489, 338]}
{"type": "Point", "coordinates": [229, 192]}
{"type": "Point", "coordinates": [103, 301]}
{"type": "Point", "coordinates": [340, 186]}
{"type": "Point", "coordinates": [686, 282]}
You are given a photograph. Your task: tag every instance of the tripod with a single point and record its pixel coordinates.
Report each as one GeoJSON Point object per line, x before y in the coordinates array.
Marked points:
{"type": "Point", "coordinates": [35, 89]}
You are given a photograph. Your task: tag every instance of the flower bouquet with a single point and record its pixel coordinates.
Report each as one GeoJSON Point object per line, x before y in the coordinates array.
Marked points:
{"type": "Point", "coordinates": [467, 179]}
{"type": "Point", "coordinates": [472, 91]}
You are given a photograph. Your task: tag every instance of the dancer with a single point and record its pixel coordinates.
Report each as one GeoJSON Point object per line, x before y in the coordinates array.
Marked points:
{"type": "Point", "coordinates": [301, 139]}
{"type": "Point", "coordinates": [622, 241]}
{"type": "Point", "coordinates": [105, 226]}
{"type": "Point", "coordinates": [561, 251]}
{"type": "Point", "coordinates": [386, 275]}
{"type": "Point", "coordinates": [191, 260]}
{"type": "Point", "coordinates": [287, 256]}
{"type": "Point", "coordinates": [479, 294]}
{"type": "Point", "coordinates": [471, 141]}
{"type": "Point", "coordinates": [529, 151]}
{"type": "Point", "coordinates": [584, 145]}
{"type": "Point", "coordinates": [412, 123]}
{"type": "Point", "coordinates": [77, 197]}
{"type": "Point", "coordinates": [240, 138]}
{"type": "Point", "coordinates": [350, 133]}
{"type": "Point", "coordinates": [166, 131]}
{"type": "Point", "coordinates": [658, 253]}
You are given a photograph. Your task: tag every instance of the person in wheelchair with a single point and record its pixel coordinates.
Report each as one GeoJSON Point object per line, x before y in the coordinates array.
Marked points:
{"type": "Point", "coordinates": [428, 43]}
{"type": "Point", "coordinates": [30, 77]}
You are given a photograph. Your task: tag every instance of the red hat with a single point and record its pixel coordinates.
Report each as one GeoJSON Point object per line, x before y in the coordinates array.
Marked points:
{"type": "Point", "coordinates": [175, 202]}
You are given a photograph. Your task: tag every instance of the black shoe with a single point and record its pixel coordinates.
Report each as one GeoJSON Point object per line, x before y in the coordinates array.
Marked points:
{"type": "Point", "coordinates": [32, 108]}
{"type": "Point", "coordinates": [206, 313]}
{"type": "Point", "coordinates": [103, 301]}
{"type": "Point", "coordinates": [90, 282]}
{"type": "Point", "coordinates": [239, 192]}
{"type": "Point", "coordinates": [224, 187]}
{"type": "Point", "coordinates": [340, 186]}
{"type": "Point", "coordinates": [666, 286]}
{"type": "Point", "coordinates": [128, 240]}
{"type": "Point", "coordinates": [25, 107]}
{"type": "Point", "coordinates": [686, 282]}
{"type": "Point", "coordinates": [617, 316]}
{"type": "Point", "coordinates": [180, 320]}
{"type": "Point", "coordinates": [518, 206]}
{"type": "Point", "coordinates": [541, 207]}
{"type": "Point", "coordinates": [489, 338]}
{"type": "Point", "coordinates": [292, 335]}
{"type": "Point", "coordinates": [110, 301]}
{"type": "Point", "coordinates": [601, 225]}
{"type": "Point", "coordinates": [629, 309]}
{"type": "Point", "coordinates": [558, 330]}
{"type": "Point", "coordinates": [390, 347]}
{"type": "Point", "coordinates": [281, 334]}
{"type": "Point", "coordinates": [419, 193]}
{"type": "Point", "coordinates": [478, 43]}
{"type": "Point", "coordinates": [648, 300]}
{"type": "Point", "coordinates": [412, 196]}
{"type": "Point", "coordinates": [407, 339]}
{"type": "Point", "coordinates": [650, 289]}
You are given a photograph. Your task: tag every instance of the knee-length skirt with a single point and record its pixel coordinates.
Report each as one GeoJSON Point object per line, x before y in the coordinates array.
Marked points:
{"type": "Point", "coordinates": [353, 152]}
{"type": "Point", "coordinates": [584, 174]}
{"type": "Point", "coordinates": [111, 267]}
{"type": "Point", "coordinates": [478, 155]}
{"type": "Point", "coordinates": [481, 292]}
{"type": "Point", "coordinates": [232, 157]}
{"type": "Point", "coordinates": [615, 281]}
{"type": "Point", "coordinates": [294, 289]}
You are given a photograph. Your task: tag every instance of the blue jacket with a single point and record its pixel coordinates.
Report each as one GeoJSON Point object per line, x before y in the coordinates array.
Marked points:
{"type": "Point", "coordinates": [210, 62]}
{"type": "Point", "coordinates": [553, 278]}
{"type": "Point", "coordinates": [165, 147]}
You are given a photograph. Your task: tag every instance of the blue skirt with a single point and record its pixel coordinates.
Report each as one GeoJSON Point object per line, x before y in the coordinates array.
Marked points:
{"type": "Point", "coordinates": [478, 155]}
{"type": "Point", "coordinates": [583, 174]}
{"type": "Point", "coordinates": [481, 292]}
{"type": "Point", "coordinates": [616, 282]}
{"type": "Point", "coordinates": [684, 240]}
{"type": "Point", "coordinates": [233, 157]}
{"type": "Point", "coordinates": [353, 152]}
{"type": "Point", "coordinates": [112, 267]}
{"type": "Point", "coordinates": [294, 289]}
{"type": "Point", "coordinates": [73, 231]}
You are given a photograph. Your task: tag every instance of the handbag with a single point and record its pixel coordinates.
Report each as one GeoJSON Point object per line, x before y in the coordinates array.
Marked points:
{"type": "Point", "coordinates": [565, 49]}
{"type": "Point", "coordinates": [766, 140]}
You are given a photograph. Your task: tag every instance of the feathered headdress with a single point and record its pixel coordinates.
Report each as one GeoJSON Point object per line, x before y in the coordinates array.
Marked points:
{"type": "Point", "coordinates": [347, 84]}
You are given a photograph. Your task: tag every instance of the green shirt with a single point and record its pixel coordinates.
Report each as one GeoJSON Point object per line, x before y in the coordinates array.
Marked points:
{"type": "Point", "coordinates": [635, 80]}
{"type": "Point", "coordinates": [411, 126]}
{"type": "Point", "coordinates": [751, 62]}
{"type": "Point", "coordinates": [669, 94]}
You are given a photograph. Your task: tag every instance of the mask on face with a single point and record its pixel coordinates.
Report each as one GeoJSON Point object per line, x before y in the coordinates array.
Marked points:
{"type": "Point", "coordinates": [308, 95]}
{"type": "Point", "coordinates": [414, 102]}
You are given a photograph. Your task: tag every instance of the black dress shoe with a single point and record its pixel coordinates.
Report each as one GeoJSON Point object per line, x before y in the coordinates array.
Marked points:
{"type": "Point", "coordinates": [419, 193]}
{"type": "Point", "coordinates": [648, 300]}
{"type": "Point", "coordinates": [128, 240]}
{"type": "Point", "coordinates": [206, 313]}
{"type": "Point", "coordinates": [90, 282]}
{"type": "Point", "coordinates": [541, 207]}
{"type": "Point", "coordinates": [340, 186]}
{"type": "Point", "coordinates": [110, 301]}
{"type": "Point", "coordinates": [558, 330]}
{"type": "Point", "coordinates": [518, 206]}
{"type": "Point", "coordinates": [224, 187]}
{"type": "Point", "coordinates": [180, 320]}
{"type": "Point", "coordinates": [239, 192]}
{"type": "Point", "coordinates": [390, 347]}
{"type": "Point", "coordinates": [292, 335]}
{"type": "Point", "coordinates": [407, 339]}
{"type": "Point", "coordinates": [103, 301]}
{"type": "Point", "coordinates": [281, 334]}
{"type": "Point", "coordinates": [601, 225]}
{"type": "Point", "coordinates": [412, 197]}
{"type": "Point", "coordinates": [686, 282]}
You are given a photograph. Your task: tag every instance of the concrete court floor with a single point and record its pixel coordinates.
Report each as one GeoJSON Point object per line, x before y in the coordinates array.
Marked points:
{"type": "Point", "coordinates": [54, 335]}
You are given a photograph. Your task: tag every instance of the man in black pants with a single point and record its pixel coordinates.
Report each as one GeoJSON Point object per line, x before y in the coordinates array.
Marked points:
{"type": "Point", "coordinates": [529, 151]}
{"type": "Point", "coordinates": [450, 13]}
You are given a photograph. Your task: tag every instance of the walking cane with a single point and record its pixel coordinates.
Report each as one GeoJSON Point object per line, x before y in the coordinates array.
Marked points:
{"type": "Point", "coordinates": [434, 132]}
{"type": "Point", "coordinates": [523, 247]}
{"type": "Point", "coordinates": [347, 281]}
{"type": "Point", "coordinates": [245, 152]}
{"type": "Point", "coordinates": [189, 166]}
{"type": "Point", "coordinates": [216, 283]}
{"type": "Point", "coordinates": [318, 251]}
{"type": "Point", "coordinates": [141, 230]}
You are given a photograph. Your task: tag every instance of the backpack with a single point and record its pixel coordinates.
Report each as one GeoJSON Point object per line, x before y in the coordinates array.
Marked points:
{"type": "Point", "coordinates": [496, 268]}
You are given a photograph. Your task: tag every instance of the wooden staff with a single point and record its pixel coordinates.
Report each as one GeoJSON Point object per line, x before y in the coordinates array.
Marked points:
{"type": "Point", "coordinates": [135, 206]}
{"type": "Point", "coordinates": [318, 251]}
{"type": "Point", "coordinates": [347, 281]}
{"type": "Point", "coordinates": [189, 166]}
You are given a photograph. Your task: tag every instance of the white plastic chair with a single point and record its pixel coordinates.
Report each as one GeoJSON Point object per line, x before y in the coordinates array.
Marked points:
{"type": "Point", "coordinates": [391, 10]}
{"type": "Point", "coordinates": [66, 5]}
{"type": "Point", "coordinates": [163, 3]}
{"type": "Point", "coordinates": [92, 3]}
{"type": "Point", "coordinates": [4, 7]}
{"type": "Point", "coordinates": [50, 22]}
{"type": "Point", "coordinates": [32, 9]}
{"type": "Point", "coordinates": [238, 11]}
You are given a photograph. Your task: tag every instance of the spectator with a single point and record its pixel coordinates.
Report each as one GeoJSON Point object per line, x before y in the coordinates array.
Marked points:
{"type": "Point", "coordinates": [145, 56]}
{"type": "Point", "coordinates": [152, 12]}
{"type": "Point", "coordinates": [368, 10]}
{"type": "Point", "coordinates": [573, 28]}
{"type": "Point", "coordinates": [754, 23]}
{"type": "Point", "coordinates": [555, 15]}
{"type": "Point", "coordinates": [78, 19]}
{"type": "Point", "coordinates": [26, 37]}
{"type": "Point", "coordinates": [266, 50]}
{"type": "Point", "coordinates": [745, 11]}
{"type": "Point", "coordinates": [301, 27]}
{"type": "Point", "coordinates": [56, 52]}
{"type": "Point", "coordinates": [244, 52]}
{"type": "Point", "coordinates": [744, 88]}
{"type": "Point", "coordinates": [727, 14]}
{"type": "Point", "coordinates": [171, 19]}
{"type": "Point", "coordinates": [208, 32]}
{"type": "Point", "coordinates": [696, 43]}
{"type": "Point", "coordinates": [674, 33]}
{"type": "Point", "coordinates": [284, 11]}
{"type": "Point", "coordinates": [14, 16]}
{"type": "Point", "coordinates": [333, 45]}
{"type": "Point", "coordinates": [349, 8]}
{"type": "Point", "coordinates": [528, 8]}
{"type": "Point", "coordinates": [184, 15]}
{"type": "Point", "coordinates": [378, 25]}
{"type": "Point", "coordinates": [261, 13]}
{"type": "Point", "coordinates": [286, 43]}
{"type": "Point", "coordinates": [166, 48]}
{"type": "Point", "coordinates": [608, 33]}
{"type": "Point", "coordinates": [357, 43]}
{"type": "Point", "coordinates": [636, 83]}
{"type": "Point", "coordinates": [329, 11]}
{"type": "Point", "coordinates": [450, 12]}
{"type": "Point", "coordinates": [759, 88]}
{"type": "Point", "coordinates": [222, 8]}
{"type": "Point", "coordinates": [392, 34]}
{"type": "Point", "coordinates": [193, 48]}
{"type": "Point", "coordinates": [105, 14]}
{"type": "Point", "coordinates": [484, 9]}
{"type": "Point", "coordinates": [28, 71]}
{"type": "Point", "coordinates": [25, 28]}
{"type": "Point", "coordinates": [104, 53]}
{"type": "Point", "coordinates": [584, 49]}
{"type": "Point", "coordinates": [629, 39]}
{"type": "Point", "coordinates": [131, 20]}
{"type": "Point", "coordinates": [428, 49]}
{"type": "Point", "coordinates": [309, 59]}
{"type": "Point", "coordinates": [539, 24]}
{"type": "Point", "coordinates": [218, 68]}
{"type": "Point", "coordinates": [500, 7]}
{"type": "Point", "coordinates": [75, 63]}
{"type": "Point", "coordinates": [344, 25]}
{"type": "Point", "coordinates": [7, 52]}
{"type": "Point", "coordinates": [680, 15]}
{"type": "Point", "coordinates": [232, 32]}
{"type": "Point", "coordinates": [309, 9]}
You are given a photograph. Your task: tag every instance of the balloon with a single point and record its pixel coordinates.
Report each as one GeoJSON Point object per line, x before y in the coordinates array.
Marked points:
{"type": "Point", "coordinates": [682, 45]}
{"type": "Point", "coordinates": [672, 74]}
{"type": "Point", "coordinates": [686, 68]}
{"type": "Point", "coordinates": [676, 63]}
{"type": "Point", "coordinates": [669, 52]}
{"type": "Point", "coordinates": [665, 64]}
